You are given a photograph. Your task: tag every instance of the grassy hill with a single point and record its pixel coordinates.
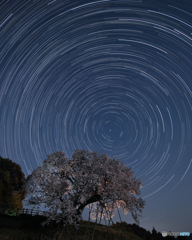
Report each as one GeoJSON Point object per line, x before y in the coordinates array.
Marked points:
{"type": "Point", "coordinates": [26, 227]}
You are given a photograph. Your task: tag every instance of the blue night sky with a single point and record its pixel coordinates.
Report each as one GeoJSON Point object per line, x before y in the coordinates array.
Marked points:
{"type": "Point", "coordinates": [106, 75]}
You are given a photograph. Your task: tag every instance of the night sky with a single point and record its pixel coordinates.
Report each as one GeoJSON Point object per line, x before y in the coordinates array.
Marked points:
{"type": "Point", "coordinates": [112, 76]}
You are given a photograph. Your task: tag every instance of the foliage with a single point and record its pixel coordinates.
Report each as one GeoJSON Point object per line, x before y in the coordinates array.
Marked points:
{"type": "Point", "coordinates": [12, 190]}
{"type": "Point", "coordinates": [135, 229]}
{"type": "Point", "coordinates": [143, 233]}
{"type": "Point", "coordinates": [154, 232]}
{"type": "Point", "coordinates": [10, 212]}
{"type": "Point", "coordinates": [67, 186]}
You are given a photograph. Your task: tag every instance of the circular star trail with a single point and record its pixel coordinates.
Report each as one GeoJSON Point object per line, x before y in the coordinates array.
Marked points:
{"type": "Point", "coordinates": [111, 76]}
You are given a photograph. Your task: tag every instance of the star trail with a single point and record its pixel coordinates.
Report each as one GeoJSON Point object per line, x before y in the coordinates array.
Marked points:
{"type": "Point", "coordinates": [112, 76]}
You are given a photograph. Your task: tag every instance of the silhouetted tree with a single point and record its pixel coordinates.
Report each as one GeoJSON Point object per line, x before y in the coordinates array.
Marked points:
{"type": "Point", "coordinates": [154, 232]}
{"type": "Point", "coordinates": [159, 235]}
{"type": "Point", "coordinates": [141, 232]}
{"type": "Point", "coordinates": [12, 190]}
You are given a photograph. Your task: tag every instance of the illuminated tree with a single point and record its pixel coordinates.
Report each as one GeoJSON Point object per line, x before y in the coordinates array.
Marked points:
{"type": "Point", "coordinates": [12, 190]}
{"type": "Point", "coordinates": [67, 186]}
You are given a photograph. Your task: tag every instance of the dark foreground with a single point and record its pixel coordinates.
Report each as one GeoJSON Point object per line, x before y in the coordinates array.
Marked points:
{"type": "Point", "coordinates": [27, 227]}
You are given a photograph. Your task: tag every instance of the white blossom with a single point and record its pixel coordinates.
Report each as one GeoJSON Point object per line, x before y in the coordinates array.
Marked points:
{"type": "Point", "coordinates": [67, 186]}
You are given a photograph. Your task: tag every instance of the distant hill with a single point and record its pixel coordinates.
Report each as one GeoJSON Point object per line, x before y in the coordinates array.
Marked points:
{"type": "Point", "coordinates": [147, 235]}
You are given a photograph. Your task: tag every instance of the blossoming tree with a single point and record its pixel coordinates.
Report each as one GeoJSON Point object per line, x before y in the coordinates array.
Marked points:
{"type": "Point", "coordinates": [67, 186]}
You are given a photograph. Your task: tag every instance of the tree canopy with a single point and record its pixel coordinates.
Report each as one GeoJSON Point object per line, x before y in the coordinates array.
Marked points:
{"type": "Point", "coordinates": [12, 190]}
{"type": "Point", "coordinates": [67, 186]}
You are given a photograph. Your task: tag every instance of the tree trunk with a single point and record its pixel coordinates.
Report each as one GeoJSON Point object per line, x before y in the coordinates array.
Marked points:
{"type": "Point", "coordinates": [92, 199]}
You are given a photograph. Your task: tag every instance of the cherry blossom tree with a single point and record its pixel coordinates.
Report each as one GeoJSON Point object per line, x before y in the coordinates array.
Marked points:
{"type": "Point", "coordinates": [67, 186]}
